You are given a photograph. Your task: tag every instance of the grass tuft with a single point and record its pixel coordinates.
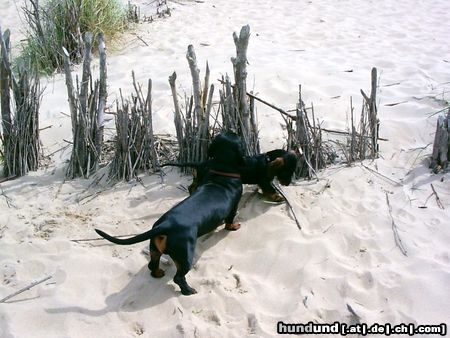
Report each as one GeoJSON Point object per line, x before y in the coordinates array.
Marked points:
{"type": "Point", "coordinates": [61, 23]}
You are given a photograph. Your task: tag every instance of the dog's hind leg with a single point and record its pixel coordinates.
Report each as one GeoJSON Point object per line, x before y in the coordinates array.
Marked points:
{"type": "Point", "coordinates": [155, 255]}
{"type": "Point", "coordinates": [180, 280]}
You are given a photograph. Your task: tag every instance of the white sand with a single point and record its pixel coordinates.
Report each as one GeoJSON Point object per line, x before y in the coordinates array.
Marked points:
{"type": "Point", "coordinates": [268, 271]}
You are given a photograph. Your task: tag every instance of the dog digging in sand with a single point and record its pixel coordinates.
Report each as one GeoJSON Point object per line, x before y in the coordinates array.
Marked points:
{"type": "Point", "coordinates": [216, 201]}
{"type": "Point", "coordinates": [258, 169]}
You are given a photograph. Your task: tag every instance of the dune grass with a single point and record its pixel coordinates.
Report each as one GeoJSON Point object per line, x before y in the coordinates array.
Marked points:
{"type": "Point", "coordinates": [60, 23]}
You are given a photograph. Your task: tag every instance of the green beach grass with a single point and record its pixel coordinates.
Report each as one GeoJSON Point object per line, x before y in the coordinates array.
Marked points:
{"type": "Point", "coordinates": [60, 23]}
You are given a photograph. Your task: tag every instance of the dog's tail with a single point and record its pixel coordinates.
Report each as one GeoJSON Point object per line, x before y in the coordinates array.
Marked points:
{"type": "Point", "coordinates": [133, 240]}
{"type": "Point", "coordinates": [182, 165]}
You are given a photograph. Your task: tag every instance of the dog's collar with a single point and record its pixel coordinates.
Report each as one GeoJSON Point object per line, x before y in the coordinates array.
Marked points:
{"type": "Point", "coordinates": [221, 173]}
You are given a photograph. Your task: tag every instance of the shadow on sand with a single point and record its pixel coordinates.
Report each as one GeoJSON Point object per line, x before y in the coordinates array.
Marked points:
{"type": "Point", "coordinates": [143, 291]}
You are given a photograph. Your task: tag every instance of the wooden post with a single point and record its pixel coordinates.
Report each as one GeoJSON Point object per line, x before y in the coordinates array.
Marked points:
{"type": "Point", "coordinates": [150, 135]}
{"type": "Point", "coordinates": [70, 90]}
{"type": "Point", "coordinates": [86, 72]}
{"type": "Point", "coordinates": [373, 119]}
{"type": "Point", "coordinates": [205, 87]}
{"type": "Point", "coordinates": [240, 76]}
{"type": "Point", "coordinates": [177, 114]}
{"type": "Point", "coordinates": [103, 94]}
{"type": "Point", "coordinates": [5, 82]}
{"type": "Point", "coordinates": [441, 145]}
{"type": "Point", "coordinates": [195, 73]}
{"type": "Point", "coordinates": [205, 127]}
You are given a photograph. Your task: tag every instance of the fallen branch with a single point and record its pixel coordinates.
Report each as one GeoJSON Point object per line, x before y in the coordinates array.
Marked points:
{"type": "Point", "coordinates": [8, 199]}
{"type": "Point", "coordinates": [281, 111]}
{"type": "Point", "coordinates": [381, 175]}
{"type": "Point", "coordinates": [7, 178]}
{"type": "Point", "coordinates": [397, 238]}
{"type": "Point", "coordinates": [25, 289]}
{"type": "Point", "coordinates": [340, 132]}
{"type": "Point", "coordinates": [438, 200]}
{"type": "Point", "coordinates": [278, 188]}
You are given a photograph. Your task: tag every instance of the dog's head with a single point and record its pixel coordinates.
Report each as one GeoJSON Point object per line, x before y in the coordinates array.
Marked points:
{"type": "Point", "coordinates": [227, 151]}
{"type": "Point", "coordinates": [282, 165]}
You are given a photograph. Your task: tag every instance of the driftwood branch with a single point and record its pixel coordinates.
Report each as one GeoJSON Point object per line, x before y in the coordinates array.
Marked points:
{"type": "Point", "coordinates": [397, 238]}
{"type": "Point", "coordinates": [32, 285]}
{"type": "Point", "coordinates": [441, 145]}
{"type": "Point", "coordinates": [281, 192]}
{"type": "Point", "coordinates": [396, 183]}
{"type": "Point", "coordinates": [103, 94]}
{"type": "Point", "coordinates": [293, 117]}
{"type": "Point", "coordinates": [240, 75]}
{"type": "Point", "coordinates": [195, 73]}
{"type": "Point", "coordinates": [5, 80]}
{"type": "Point", "coordinates": [438, 200]}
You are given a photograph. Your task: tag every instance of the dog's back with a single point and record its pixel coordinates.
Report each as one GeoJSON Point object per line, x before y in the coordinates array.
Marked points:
{"type": "Point", "coordinates": [176, 232]}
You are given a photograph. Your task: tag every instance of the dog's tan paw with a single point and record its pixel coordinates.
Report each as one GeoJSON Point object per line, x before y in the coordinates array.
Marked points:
{"type": "Point", "coordinates": [232, 226]}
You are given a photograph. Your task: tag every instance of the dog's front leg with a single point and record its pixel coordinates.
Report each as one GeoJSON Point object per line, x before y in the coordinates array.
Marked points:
{"type": "Point", "coordinates": [180, 280]}
{"type": "Point", "coordinates": [269, 192]}
{"type": "Point", "coordinates": [230, 224]}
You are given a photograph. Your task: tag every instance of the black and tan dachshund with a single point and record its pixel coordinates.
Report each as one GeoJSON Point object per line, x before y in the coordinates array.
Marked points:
{"type": "Point", "coordinates": [258, 169]}
{"type": "Point", "coordinates": [216, 201]}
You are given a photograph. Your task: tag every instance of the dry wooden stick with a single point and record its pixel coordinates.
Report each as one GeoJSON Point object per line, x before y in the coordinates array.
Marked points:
{"type": "Point", "coordinates": [8, 199]}
{"type": "Point", "coordinates": [7, 178]}
{"type": "Point", "coordinates": [103, 95]}
{"type": "Point", "coordinates": [381, 175]}
{"type": "Point", "coordinates": [397, 238]}
{"type": "Point", "coordinates": [438, 200]}
{"type": "Point", "coordinates": [278, 188]}
{"type": "Point", "coordinates": [281, 111]}
{"type": "Point", "coordinates": [25, 289]}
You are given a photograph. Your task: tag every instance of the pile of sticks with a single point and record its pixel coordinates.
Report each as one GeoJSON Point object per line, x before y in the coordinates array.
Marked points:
{"type": "Point", "coordinates": [87, 108]}
{"type": "Point", "coordinates": [20, 123]}
{"type": "Point", "coordinates": [441, 145]}
{"type": "Point", "coordinates": [306, 139]}
{"type": "Point", "coordinates": [363, 142]}
{"type": "Point", "coordinates": [135, 143]}
{"type": "Point", "coordinates": [193, 126]}
{"type": "Point", "coordinates": [306, 135]}
{"type": "Point", "coordinates": [237, 107]}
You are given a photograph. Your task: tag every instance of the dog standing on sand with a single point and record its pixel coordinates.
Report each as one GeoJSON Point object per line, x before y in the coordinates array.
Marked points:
{"type": "Point", "coordinates": [175, 233]}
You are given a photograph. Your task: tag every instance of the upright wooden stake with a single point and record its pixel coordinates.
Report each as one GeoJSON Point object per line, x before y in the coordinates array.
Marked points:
{"type": "Point", "coordinates": [177, 114]}
{"type": "Point", "coordinates": [195, 73]}
{"type": "Point", "coordinates": [151, 143]}
{"type": "Point", "coordinates": [86, 72]}
{"type": "Point", "coordinates": [373, 119]}
{"type": "Point", "coordinates": [103, 94]}
{"type": "Point", "coordinates": [5, 81]}
{"type": "Point", "coordinates": [240, 76]}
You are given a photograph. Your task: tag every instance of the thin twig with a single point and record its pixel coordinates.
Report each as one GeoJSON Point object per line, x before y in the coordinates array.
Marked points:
{"type": "Point", "coordinates": [381, 175]}
{"type": "Point", "coordinates": [25, 289]}
{"type": "Point", "coordinates": [8, 199]}
{"type": "Point", "coordinates": [278, 188]}
{"type": "Point", "coordinates": [438, 200]}
{"type": "Point", "coordinates": [7, 178]}
{"type": "Point", "coordinates": [397, 238]}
